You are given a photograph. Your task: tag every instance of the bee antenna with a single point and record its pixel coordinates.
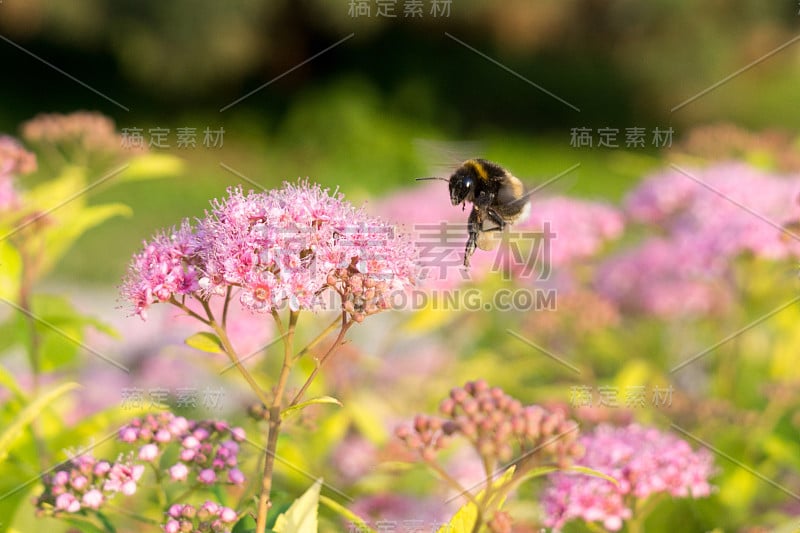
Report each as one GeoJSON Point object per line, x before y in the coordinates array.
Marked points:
{"type": "Point", "coordinates": [433, 178]}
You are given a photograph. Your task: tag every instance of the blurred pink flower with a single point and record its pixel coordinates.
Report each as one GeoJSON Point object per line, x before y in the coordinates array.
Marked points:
{"type": "Point", "coordinates": [354, 457]}
{"type": "Point", "coordinates": [707, 220]}
{"type": "Point", "coordinates": [87, 131]}
{"type": "Point", "coordinates": [665, 278]}
{"type": "Point", "coordinates": [14, 158]}
{"type": "Point", "coordinates": [581, 227]}
{"type": "Point", "coordinates": [725, 209]}
{"type": "Point", "coordinates": [643, 460]}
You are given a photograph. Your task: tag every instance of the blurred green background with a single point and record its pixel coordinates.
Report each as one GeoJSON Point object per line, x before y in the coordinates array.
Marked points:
{"type": "Point", "coordinates": [351, 116]}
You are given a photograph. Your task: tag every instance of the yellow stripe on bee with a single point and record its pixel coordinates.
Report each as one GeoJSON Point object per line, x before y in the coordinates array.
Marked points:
{"type": "Point", "coordinates": [477, 167]}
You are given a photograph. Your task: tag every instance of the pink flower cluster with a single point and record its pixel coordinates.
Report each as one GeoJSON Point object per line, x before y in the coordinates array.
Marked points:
{"type": "Point", "coordinates": [707, 220]}
{"type": "Point", "coordinates": [208, 449]}
{"type": "Point", "coordinates": [208, 518]}
{"type": "Point", "coordinates": [581, 227]}
{"type": "Point", "coordinates": [664, 278]}
{"type": "Point", "coordinates": [164, 269]}
{"type": "Point", "coordinates": [14, 161]}
{"type": "Point", "coordinates": [280, 247]}
{"type": "Point", "coordinates": [87, 131]}
{"type": "Point", "coordinates": [86, 483]}
{"type": "Point", "coordinates": [494, 423]}
{"type": "Point", "coordinates": [643, 460]}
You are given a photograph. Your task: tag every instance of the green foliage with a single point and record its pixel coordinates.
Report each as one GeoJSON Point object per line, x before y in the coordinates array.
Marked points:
{"type": "Point", "coordinates": [301, 516]}
{"type": "Point", "coordinates": [289, 411]}
{"type": "Point", "coordinates": [205, 342]}
{"type": "Point", "coordinates": [465, 518]}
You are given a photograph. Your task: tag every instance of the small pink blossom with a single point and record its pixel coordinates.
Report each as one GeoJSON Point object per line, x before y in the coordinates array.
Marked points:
{"type": "Point", "coordinates": [68, 502]}
{"type": "Point", "coordinates": [178, 472]}
{"type": "Point", "coordinates": [148, 452]}
{"type": "Point", "coordinates": [643, 460]}
{"type": "Point", "coordinates": [235, 476]}
{"type": "Point", "coordinates": [92, 499]}
{"type": "Point", "coordinates": [207, 476]}
{"type": "Point", "coordinates": [227, 515]}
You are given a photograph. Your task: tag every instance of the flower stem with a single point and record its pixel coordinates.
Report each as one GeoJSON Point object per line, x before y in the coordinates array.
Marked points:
{"type": "Point", "coordinates": [336, 343]}
{"type": "Point", "coordinates": [324, 333]}
{"type": "Point", "coordinates": [264, 502]}
{"type": "Point", "coordinates": [230, 351]}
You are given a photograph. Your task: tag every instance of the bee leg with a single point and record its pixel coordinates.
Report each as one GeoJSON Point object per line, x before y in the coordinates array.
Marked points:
{"type": "Point", "coordinates": [497, 219]}
{"type": "Point", "coordinates": [474, 227]}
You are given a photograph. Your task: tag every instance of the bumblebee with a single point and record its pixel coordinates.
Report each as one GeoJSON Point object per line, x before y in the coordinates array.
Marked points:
{"type": "Point", "coordinates": [498, 199]}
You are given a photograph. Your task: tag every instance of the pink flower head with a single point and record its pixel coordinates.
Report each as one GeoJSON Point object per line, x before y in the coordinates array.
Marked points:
{"type": "Point", "coordinates": [14, 159]}
{"type": "Point", "coordinates": [162, 270]}
{"type": "Point", "coordinates": [281, 247]}
{"type": "Point", "coordinates": [643, 460]}
{"type": "Point", "coordinates": [290, 245]}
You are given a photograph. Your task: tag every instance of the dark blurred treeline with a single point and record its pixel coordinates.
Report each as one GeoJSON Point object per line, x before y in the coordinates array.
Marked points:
{"type": "Point", "coordinates": [622, 63]}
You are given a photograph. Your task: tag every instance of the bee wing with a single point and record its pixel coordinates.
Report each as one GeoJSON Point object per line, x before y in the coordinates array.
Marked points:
{"type": "Point", "coordinates": [443, 157]}
{"type": "Point", "coordinates": [553, 185]}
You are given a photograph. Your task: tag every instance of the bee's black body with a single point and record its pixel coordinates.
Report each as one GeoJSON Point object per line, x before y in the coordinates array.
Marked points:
{"type": "Point", "coordinates": [497, 197]}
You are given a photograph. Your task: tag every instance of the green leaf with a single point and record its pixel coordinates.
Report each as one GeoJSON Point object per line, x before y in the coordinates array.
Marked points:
{"type": "Point", "coordinates": [301, 517]}
{"type": "Point", "coordinates": [7, 380]}
{"type": "Point", "coordinates": [70, 226]}
{"type": "Point", "coordinates": [109, 527]}
{"type": "Point", "coordinates": [205, 342]}
{"type": "Point", "coordinates": [152, 166]}
{"type": "Point", "coordinates": [83, 525]}
{"type": "Point", "coordinates": [26, 416]}
{"type": "Point", "coordinates": [60, 328]}
{"type": "Point", "coordinates": [464, 519]}
{"type": "Point", "coordinates": [592, 472]}
{"type": "Point", "coordinates": [10, 270]}
{"type": "Point", "coordinates": [347, 514]}
{"type": "Point", "coordinates": [246, 524]}
{"type": "Point", "coordinates": [544, 470]}
{"type": "Point", "coordinates": [302, 405]}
